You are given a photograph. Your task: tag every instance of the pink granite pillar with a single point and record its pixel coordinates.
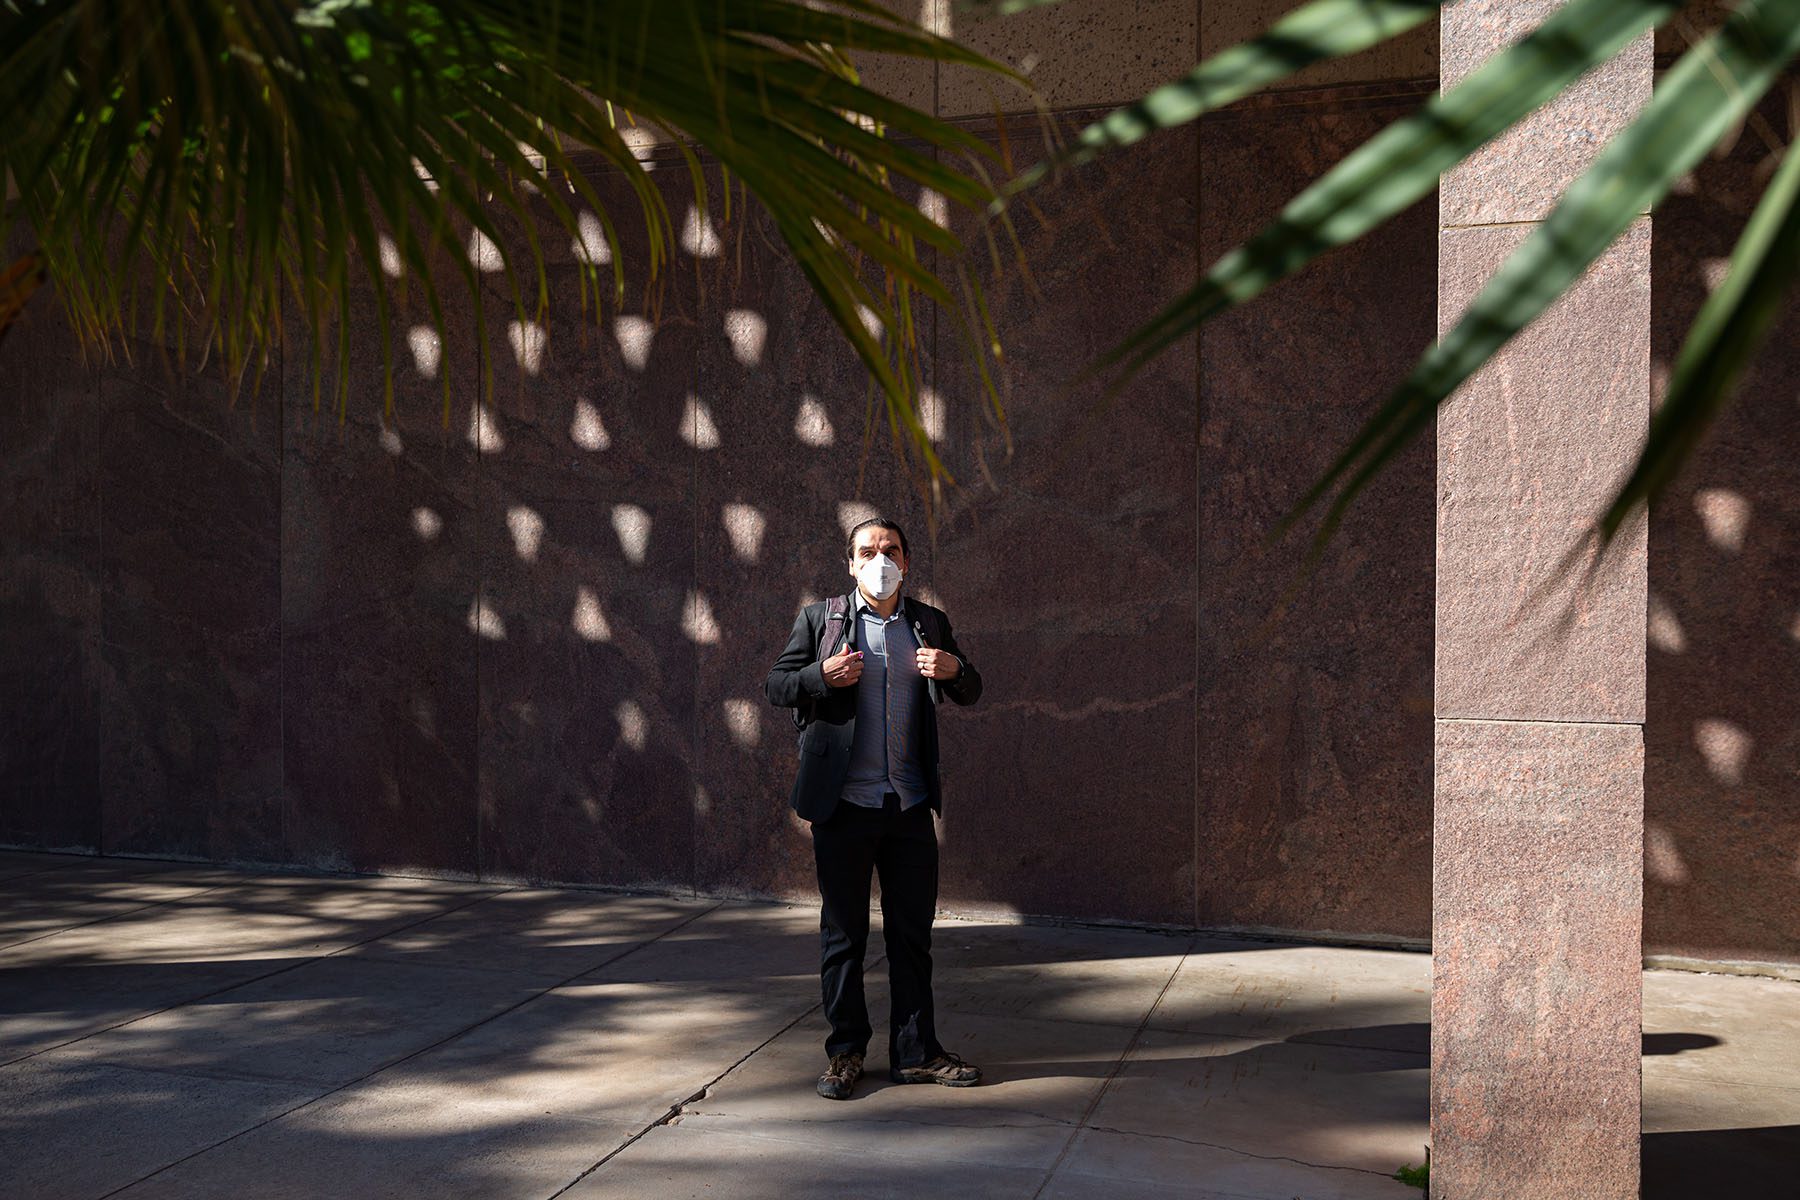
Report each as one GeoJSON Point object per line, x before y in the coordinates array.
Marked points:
{"type": "Point", "coordinates": [1538, 820]}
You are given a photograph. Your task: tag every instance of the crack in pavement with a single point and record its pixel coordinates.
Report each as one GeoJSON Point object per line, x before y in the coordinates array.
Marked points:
{"type": "Point", "coordinates": [1124, 1056]}
{"type": "Point", "coordinates": [676, 1111]}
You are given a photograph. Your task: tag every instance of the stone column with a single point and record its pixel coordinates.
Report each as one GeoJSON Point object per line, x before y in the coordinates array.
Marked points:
{"type": "Point", "coordinates": [1538, 825]}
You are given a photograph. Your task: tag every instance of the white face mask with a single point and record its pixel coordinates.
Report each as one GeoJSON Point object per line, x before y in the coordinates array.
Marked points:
{"type": "Point", "coordinates": [879, 577]}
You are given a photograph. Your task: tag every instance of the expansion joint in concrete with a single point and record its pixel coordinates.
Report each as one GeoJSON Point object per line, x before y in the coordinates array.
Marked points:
{"type": "Point", "coordinates": [405, 1058]}
{"type": "Point", "coordinates": [292, 965]}
{"type": "Point", "coordinates": [1093, 1104]}
{"type": "Point", "coordinates": [676, 1111]}
{"type": "Point", "coordinates": [148, 904]}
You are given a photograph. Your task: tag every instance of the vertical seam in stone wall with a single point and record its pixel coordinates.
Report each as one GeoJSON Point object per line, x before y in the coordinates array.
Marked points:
{"type": "Point", "coordinates": [1199, 370]}
{"type": "Point", "coordinates": [696, 767]}
{"type": "Point", "coordinates": [281, 385]}
{"type": "Point", "coordinates": [937, 101]}
{"type": "Point", "coordinates": [100, 720]}
{"type": "Point", "coordinates": [482, 417]}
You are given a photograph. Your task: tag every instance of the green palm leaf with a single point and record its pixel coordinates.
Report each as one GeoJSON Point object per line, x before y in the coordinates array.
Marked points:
{"type": "Point", "coordinates": [1728, 330]}
{"type": "Point", "coordinates": [1321, 30]}
{"type": "Point", "coordinates": [1710, 90]}
{"type": "Point", "coordinates": [1401, 164]}
{"type": "Point", "coordinates": [232, 166]}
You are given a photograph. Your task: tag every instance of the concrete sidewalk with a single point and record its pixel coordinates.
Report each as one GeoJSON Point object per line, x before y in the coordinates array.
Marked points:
{"type": "Point", "coordinates": [172, 1030]}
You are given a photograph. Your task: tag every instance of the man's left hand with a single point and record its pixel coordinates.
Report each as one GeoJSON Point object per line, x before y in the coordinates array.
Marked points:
{"type": "Point", "coordinates": [935, 664]}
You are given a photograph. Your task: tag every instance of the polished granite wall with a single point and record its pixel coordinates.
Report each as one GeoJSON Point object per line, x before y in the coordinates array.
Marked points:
{"type": "Point", "coordinates": [1721, 746]}
{"type": "Point", "coordinates": [530, 645]}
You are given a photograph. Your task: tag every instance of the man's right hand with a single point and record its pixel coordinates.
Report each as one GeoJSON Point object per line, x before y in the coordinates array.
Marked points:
{"type": "Point", "coordinates": [842, 670]}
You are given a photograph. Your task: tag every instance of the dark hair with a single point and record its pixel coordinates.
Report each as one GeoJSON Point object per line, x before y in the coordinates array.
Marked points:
{"type": "Point", "coordinates": [876, 523]}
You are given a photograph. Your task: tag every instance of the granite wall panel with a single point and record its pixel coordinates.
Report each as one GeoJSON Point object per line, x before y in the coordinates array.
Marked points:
{"type": "Point", "coordinates": [1520, 174]}
{"type": "Point", "coordinates": [51, 672]}
{"type": "Point", "coordinates": [623, 737]}
{"type": "Point", "coordinates": [378, 584]}
{"type": "Point", "coordinates": [1722, 751]}
{"type": "Point", "coordinates": [1314, 708]}
{"type": "Point", "coordinates": [792, 451]}
{"type": "Point", "coordinates": [1537, 926]}
{"type": "Point", "coordinates": [587, 565]}
{"type": "Point", "coordinates": [1069, 563]}
{"type": "Point", "coordinates": [1530, 624]}
{"type": "Point", "coordinates": [1412, 55]}
{"type": "Point", "coordinates": [1079, 53]}
{"type": "Point", "coordinates": [189, 482]}
{"type": "Point", "coordinates": [1537, 993]}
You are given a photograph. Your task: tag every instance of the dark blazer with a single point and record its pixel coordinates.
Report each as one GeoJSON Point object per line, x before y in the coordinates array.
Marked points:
{"type": "Point", "coordinates": [798, 679]}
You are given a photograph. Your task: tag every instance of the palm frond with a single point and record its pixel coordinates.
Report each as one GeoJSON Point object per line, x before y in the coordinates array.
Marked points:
{"type": "Point", "coordinates": [1400, 165]}
{"type": "Point", "coordinates": [1695, 105]}
{"type": "Point", "coordinates": [1726, 333]}
{"type": "Point", "coordinates": [1706, 94]}
{"type": "Point", "coordinates": [229, 166]}
{"type": "Point", "coordinates": [1315, 32]}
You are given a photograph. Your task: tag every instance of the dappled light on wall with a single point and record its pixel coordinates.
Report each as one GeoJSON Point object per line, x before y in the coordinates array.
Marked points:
{"type": "Point", "coordinates": [1725, 746]}
{"type": "Point", "coordinates": [642, 144]}
{"type": "Point", "coordinates": [742, 722]}
{"type": "Point", "coordinates": [812, 425]}
{"type": "Point", "coordinates": [527, 529]}
{"type": "Point", "coordinates": [697, 620]}
{"type": "Point", "coordinates": [746, 331]}
{"type": "Point", "coordinates": [744, 525]}
{"type": "Point", "coordinates": [635, 335]}
{"type": "Point", "coordinates": [632, 524]}
{"type": "Point", "coordinates": [935, 208]}
{"type": "Point", "coordinates": [427, 350]}
{"type": "Point", "coordinates": [931, 414]}
{"type": "Point", "coordinates": [587, 430]}
{"type": "Point", "coordinates": [698, 237]}
{"type": "Point", "coordinates": [589, 622]}
{"type": "Point", "coordinates": [527, 341]}
{"type": "Point", "coordinates": [634, 730]}
{"type": "Point", "coordinates": [851, 513]}
{"type": "Point", "coordinates": [485, 622]}
{"type": "Point", "coordinates": [426, 523]}
{"type": "Point", "coordinates": [484, 429]}
{"type": "Point", "coordinates": [697, 427]}
{"type": "Point", "coordinates": [484, 255]}
{"type": "Point", "coordinates": [1664, 630]}
{"type": "Point", "coordinates": [590, 247]}
{"type": "Point", "coordinates": [1662, 859]}
{"type": "Point", "coordinates": [1725, 515]}
{"type": "Point", "coordinates": [390, 256]}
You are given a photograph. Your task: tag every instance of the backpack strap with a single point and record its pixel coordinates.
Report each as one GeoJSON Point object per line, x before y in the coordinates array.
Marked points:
{"type": "Point", "coordinates": [832, 629]}
{"type": "Point", "coordinates": [831, 635]}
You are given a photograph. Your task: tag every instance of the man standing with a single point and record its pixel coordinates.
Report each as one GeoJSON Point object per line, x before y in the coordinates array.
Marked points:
{"type": "Point", "coordinates": [864, 674]}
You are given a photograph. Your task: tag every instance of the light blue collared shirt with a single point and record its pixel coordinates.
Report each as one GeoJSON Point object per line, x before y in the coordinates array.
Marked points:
{"type": "Point", "coordinates": [890, 696]}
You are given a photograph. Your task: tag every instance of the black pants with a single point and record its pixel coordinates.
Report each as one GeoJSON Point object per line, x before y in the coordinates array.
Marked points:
{"type": "Point", "coordinates": [902, 847]}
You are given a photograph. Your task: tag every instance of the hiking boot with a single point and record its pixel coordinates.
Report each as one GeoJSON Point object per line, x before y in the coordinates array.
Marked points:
{"type": "Point", "coordinates": [841, 1076]}
{"type": "Point", "coordinates": [946, 1068]}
